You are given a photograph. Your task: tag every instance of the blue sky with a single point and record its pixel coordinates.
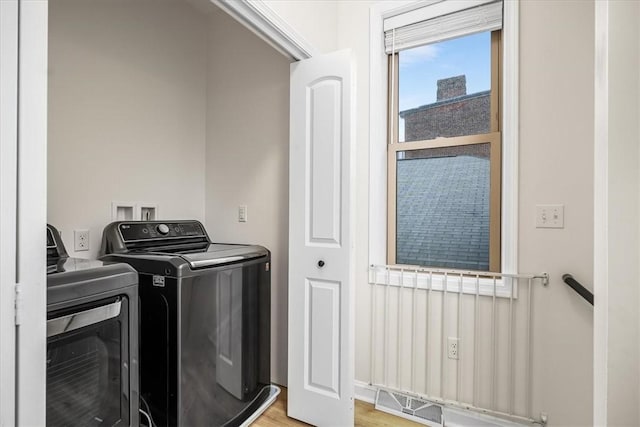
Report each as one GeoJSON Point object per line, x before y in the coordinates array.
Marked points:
{"type": "Point", "coordinates": [422, 67]}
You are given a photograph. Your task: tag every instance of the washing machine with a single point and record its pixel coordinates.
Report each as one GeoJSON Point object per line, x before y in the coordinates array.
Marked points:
{"type": "Point", "coordinates": [204, 324]}
{"type": "Point", "coordinates": [92, 340]}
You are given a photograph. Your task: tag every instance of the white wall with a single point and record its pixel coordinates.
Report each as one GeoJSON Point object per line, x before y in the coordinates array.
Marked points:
{"type": "Point", "coordinates": [314, 20]}
{"type": "Point", "coordinates": [146, 104]}
{"type": "Point", "coordinates": [353, 33]}
{"type": "Point", "coordinates": [556, 166]}
{"type": "Point", "coordinates": [127, 111]}
{"type": "Point", "coordinates": [247, 157]}
{"type": "Point", "coordinates": [623, 395]}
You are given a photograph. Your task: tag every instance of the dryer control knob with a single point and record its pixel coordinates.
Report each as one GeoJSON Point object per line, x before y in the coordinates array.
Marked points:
{"type": "Point", "coordinates": [162, 228]}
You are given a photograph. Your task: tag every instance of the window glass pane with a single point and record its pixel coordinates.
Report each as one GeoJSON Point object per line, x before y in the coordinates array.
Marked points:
{"type": "Point", "coordinates": [442, 207]}
{"type": "Point", "coordinates": [444, 89]}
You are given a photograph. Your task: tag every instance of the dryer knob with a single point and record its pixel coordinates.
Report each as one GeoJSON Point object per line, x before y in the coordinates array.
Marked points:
{"type": "Point", "coordinates": [162, 228]}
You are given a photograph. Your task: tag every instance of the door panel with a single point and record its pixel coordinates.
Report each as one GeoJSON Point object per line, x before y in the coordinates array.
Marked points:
{"type": "Point", "coordinates": [321, 351]}
{"type": "Point", "coordinates": [324, 143]}
{"type": "Point", "coordinates": [322, 373]}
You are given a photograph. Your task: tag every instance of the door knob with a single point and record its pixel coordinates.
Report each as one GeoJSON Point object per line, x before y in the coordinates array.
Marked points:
{"type": "Point", "coordinates": [320, 263]}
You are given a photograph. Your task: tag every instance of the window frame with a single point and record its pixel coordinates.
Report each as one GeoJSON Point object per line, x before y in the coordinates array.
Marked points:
{"type": "Point", "coordinates": [494, 138]}
{"type": "Point", "coordinates": [378, 133]}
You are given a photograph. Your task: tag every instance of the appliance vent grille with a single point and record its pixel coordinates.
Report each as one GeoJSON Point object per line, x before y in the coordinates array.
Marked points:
{"type": "Point", "coordinates": [410, 407]}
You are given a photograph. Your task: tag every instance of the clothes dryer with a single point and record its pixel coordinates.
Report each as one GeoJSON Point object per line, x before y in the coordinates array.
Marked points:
{"type": "Point", "coordinates": [92, 340]}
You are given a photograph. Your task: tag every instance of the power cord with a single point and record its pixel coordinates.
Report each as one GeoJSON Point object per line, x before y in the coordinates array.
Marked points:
{"type": "Point", "coordinates": [147, 413]}
{"type": "Point", "coordinates": [148, 417]}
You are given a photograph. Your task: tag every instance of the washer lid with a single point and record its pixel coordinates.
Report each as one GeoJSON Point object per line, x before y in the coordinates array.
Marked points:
{"type": "Point", "coordinates": [76, 278]}
{"type": "Point", "coordinates": [67, 265]}
{"type": "Point", "coordinates": [220, 254]}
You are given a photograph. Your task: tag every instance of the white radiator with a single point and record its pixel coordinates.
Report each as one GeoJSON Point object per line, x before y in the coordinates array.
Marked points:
{"type": "Point", "coordinates": [457, 338]}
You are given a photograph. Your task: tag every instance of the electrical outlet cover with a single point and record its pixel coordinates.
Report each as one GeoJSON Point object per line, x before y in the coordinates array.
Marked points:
{"type": "Point", "coordinates": [453, 348]}
{"type": "Point", "coordinates": [80, 240]}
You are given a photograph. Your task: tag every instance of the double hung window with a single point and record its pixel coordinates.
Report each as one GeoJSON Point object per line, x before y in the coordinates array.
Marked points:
{"type": "Point", "coordinates": [444, 142]}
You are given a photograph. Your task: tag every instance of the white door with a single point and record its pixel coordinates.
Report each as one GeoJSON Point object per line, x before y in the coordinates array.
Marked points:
{"type": "Point", "coordinates": [321, 284]}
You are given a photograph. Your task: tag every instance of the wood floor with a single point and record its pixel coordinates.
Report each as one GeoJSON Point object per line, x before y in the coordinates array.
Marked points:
{"type": "Point", "coordinates": [366, 415]}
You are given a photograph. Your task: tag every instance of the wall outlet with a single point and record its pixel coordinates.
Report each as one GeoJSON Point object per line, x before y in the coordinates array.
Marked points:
{"type": "Point", "coordinates": [550, 216]}
{"type": "Point", "coordinates": [242, 213]}
{"type": "Point", "coordinates": [80, 240]}
{"type": "Point", "coordinates": [453, 348]}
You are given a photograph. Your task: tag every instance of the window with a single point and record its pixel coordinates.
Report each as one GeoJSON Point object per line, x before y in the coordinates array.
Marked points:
{"type": "Point", "coordinates": [444, 144]}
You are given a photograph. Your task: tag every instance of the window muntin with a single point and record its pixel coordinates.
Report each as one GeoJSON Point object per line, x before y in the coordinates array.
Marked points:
{"type": "Point", "coordinates": [458, 131]}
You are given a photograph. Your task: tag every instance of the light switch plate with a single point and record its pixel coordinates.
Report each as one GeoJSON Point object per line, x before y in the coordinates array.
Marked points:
{"type": "Point", "coordinates": [549, 216]}
{"type": "Point", "coordinates": [242, 213]}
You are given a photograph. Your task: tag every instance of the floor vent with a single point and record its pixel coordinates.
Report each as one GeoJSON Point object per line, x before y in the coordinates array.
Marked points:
{"type": "Point", "coordinates": [412, 408]}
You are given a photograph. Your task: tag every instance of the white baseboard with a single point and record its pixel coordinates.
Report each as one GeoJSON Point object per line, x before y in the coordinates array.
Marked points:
{"type": "Point", "coordinates": [365, 392]}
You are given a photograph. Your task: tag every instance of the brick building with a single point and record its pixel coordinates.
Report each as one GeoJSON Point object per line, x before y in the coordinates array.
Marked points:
{"type": "Point", "coordinates": [454, 113]}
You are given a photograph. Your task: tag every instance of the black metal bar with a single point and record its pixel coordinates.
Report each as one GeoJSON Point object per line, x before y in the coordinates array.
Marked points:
{"type": "Point", "coordinates": [576, 286]}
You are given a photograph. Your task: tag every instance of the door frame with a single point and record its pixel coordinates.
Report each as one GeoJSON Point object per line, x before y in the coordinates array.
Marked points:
{"type": "Point", "coordinates": [23, 215]}
{"type": "Point", "coordinates": [32, 213]}
{"type": "Point", "coordinates": [8, 199]}
{"type": "Point", "coordinates": [600, 220]}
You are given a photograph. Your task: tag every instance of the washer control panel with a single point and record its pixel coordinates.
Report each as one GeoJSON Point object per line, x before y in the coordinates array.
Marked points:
{"type": "Point", "coordinates": [135, 231]}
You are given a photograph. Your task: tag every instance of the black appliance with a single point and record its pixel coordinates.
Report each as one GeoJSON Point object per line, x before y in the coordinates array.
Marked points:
{"type": "Point", "coordinates": [205, 322]}
{"type": "Point", "coordinates": [92, 340]}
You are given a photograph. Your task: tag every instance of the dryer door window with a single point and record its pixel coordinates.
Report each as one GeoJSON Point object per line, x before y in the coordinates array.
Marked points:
{"type": "Point", "coordinates": [87, 369]}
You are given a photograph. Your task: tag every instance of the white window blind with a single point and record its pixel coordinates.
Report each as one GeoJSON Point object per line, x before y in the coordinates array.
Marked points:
{"type": "Point", "coordinates": [441, 21]}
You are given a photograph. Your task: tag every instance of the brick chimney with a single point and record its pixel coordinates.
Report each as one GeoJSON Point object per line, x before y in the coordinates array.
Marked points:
{"type": "Point", "coordinates": [452, 87]}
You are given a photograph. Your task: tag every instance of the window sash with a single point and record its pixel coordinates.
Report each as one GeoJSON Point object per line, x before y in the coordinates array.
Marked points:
{"type": "Point", "coordinates": [494, 138]}
{"type": "Point", "coordinates": [495, 179]}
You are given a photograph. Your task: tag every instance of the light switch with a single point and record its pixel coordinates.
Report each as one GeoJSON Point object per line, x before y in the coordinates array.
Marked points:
{"type": "Point", "coordinates": [550, 216]}
{"type": "Point", "coordinates": [242, 213]}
